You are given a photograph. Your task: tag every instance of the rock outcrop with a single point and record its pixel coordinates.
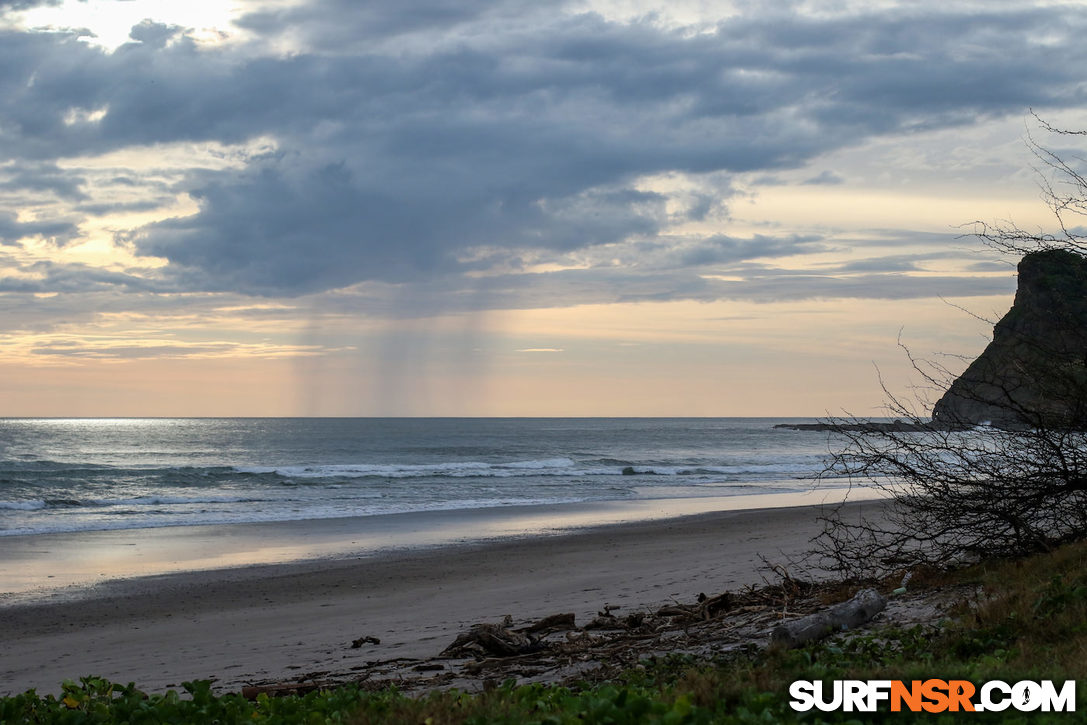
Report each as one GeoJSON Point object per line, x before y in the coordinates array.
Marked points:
{"type": "Point", "coordinates": [1034, 372]}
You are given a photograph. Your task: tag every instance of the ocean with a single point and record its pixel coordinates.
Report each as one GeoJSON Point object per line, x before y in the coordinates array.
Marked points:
{"type": "Point", "coordinates": [71, 475]}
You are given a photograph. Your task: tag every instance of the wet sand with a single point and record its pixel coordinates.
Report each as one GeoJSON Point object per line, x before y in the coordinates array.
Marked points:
{"type": "Point", "coordinates": [265, 622]}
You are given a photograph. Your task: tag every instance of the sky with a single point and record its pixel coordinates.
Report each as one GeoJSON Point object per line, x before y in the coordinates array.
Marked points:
{"type": "Point", "coordinates": [512, 208]}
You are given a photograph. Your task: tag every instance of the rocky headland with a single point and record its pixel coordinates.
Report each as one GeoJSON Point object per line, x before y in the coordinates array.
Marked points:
{"type": "Point", "coordinates": [1034, 372]}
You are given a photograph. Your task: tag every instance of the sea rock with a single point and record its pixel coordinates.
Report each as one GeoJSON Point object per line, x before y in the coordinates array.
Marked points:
{"type": "Point", "coordinates": [894, 426]}
{"type": "Point", "coordinates": [1034, 372]}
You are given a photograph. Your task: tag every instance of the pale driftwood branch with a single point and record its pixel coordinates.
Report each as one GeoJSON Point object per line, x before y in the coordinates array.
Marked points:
{"type": "Point", "coordinates": [847, 615]}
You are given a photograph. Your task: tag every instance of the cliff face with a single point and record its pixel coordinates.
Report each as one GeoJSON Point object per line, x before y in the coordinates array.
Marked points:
{"type": "Point", "coordinates": [1034, 372]}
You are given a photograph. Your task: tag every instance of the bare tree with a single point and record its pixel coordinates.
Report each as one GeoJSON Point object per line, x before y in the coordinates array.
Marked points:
{"type": "Point", "coordinates": [1000, 466]}
{"type": "Point", "coordinates": [1063, 180]}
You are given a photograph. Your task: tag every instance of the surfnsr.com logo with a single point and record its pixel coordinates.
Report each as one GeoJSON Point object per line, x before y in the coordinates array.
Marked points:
{"type": "Point", "coordinates": [932, 696]}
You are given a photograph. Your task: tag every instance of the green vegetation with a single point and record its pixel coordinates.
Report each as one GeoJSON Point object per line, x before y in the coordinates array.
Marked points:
{"type": "Point", "coordinates": [1025, 619]}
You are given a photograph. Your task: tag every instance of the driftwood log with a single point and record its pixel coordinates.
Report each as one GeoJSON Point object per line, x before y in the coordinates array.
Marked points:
{"type": "Point", "coordinates": [866, 604]}
{"type": "Point", "coordinates": [490, 640]}
{"type": "Point", "coordinates": [501, 640]}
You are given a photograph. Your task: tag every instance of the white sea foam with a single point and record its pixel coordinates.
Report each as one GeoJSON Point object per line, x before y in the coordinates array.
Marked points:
{"type": "Point", "coordinates": [271, 516]}
{"type": "Point", "coordinates": [22, 505]}
{"type": "Point", "coordinates": [546, 463]}
{"type": "Point", "coordinates": [452, 469]}
{"type": "Point", "coordinates": [37, 505]}
{"type": "Point", "coordinates": [171, 500]}
{"type": "Point", "coordinates": [545, 467]}
{"type": "Point", "coordinates": [739, 469]}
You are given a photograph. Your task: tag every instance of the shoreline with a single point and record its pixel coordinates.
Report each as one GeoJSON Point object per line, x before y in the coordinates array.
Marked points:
{"type": "Point", "coordinates": [46, 566]}
{"type": "Point", "coordinates": [273, 621]}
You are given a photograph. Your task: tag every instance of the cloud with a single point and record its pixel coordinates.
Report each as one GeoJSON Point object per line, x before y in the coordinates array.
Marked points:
{"type": "Point", "coordinates": [884, 286]}
{"type": "Point", "coordinates": [343, 24]}
{"type": "Point", "coordinates": [107, 208]}
{"type": "Point", "coordinates": [108, 349]}
{"type": "Point", "coordinates": [751, 282]}
{"type": "Point", "coordinates": [912, 262]}
{"type": "Point", "coordinates": [824, 178]}
{"type": "Point", "coordinates": [10, 5]}
{"type": "Point", "coordinates": [284, 230]}
{"type": "Point", "coordinates": [44, 277]}
{"type": "Point", "coordinates": [721, 249]}
{"type": "Point", "coordinates": [412, 143]}
{"type": "Point", "coordinates": [35, 178]}
{"type": "Point", "coordinates": [12, 230]}
{"type": "Point", "coordinates": [154, 35]}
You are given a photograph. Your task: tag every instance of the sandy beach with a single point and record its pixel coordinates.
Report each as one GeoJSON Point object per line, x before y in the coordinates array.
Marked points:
{"type": "Point", "coordinates": [271, 622]}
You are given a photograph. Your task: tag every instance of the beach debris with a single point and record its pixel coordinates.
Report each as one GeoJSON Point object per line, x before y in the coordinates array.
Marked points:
{"type": "Point", "coordinates": [606, 620]}
{"type": "Point", "coordinates": [705, 609]}
{"type": "Point", "coordinates": [502, 640]}
{"type": "Point", "coordinates": [554, 649]}
{"type": "Point", "coordinates": [493, 640]}
{"type": "Point", "coordinates": [355, 644]}
{"type": "Point", "coordinates": [612, 622]}
{"type": "Point", "coordinates": [866, 604]}
{"type": "Point", "coordinates": [552, 623]}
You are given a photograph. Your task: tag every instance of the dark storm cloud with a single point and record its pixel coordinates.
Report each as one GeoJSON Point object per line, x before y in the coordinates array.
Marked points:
{"type": "Point", "coordinates": [410, 138]}
{"type": "Point", "coordinates": [272, 232]}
